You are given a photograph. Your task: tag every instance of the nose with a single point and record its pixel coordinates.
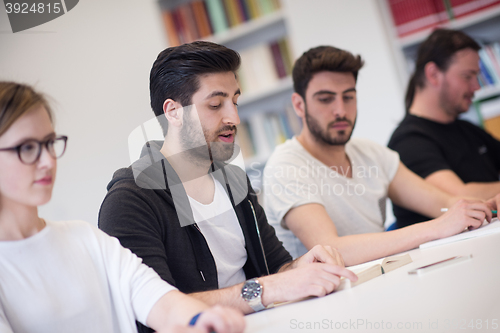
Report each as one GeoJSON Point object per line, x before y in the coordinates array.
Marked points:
{"type": "Point", "coordinates": [475, 84]}
{"type": "Point", "coordinates": [231, 116]}
{"type": "Point", "coordinates": [340, 109]}
{"type": "Point", "coordinates": [46, 161]}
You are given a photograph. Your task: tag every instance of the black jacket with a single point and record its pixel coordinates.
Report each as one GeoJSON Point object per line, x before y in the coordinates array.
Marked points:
{"type": "Point", "coordinates": [142, 213]}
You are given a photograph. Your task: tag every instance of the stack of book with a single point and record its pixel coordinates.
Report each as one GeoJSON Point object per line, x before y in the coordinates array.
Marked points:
{"type": "Point", "coordinates": [263, 65]}
{"type": "Point", "coordinates": [261, 133]}
{"type": "Point", "coordinates": [414, 15]}
{"type": "Point", "coordinates": [489, 65]}
{"type": "Point", "coordinates": [198, 19]}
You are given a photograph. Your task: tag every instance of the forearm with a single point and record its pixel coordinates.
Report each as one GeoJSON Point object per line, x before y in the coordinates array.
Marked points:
{"type": "Point", "coordinates": [480, 190]}
{"type": "Point", "coordinates": [173, 308]}
{"type": "Point", "coordinates": [230, 297]}
{"type": "Point", "coordinates": [356, 249]}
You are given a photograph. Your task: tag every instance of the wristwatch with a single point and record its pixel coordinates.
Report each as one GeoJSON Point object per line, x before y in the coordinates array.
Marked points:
{"type": "Point", "coordinates": [252, 294]}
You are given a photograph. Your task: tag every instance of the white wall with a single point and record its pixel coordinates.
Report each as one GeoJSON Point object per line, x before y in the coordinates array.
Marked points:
{"type": "Point", "coordinates": [94, 62]}
{"type": "Point", "coordinates": [356, 26]}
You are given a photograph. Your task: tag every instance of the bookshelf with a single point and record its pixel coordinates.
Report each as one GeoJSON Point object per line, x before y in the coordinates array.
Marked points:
{"type": "Point", "coordinates": [483, 24]}
{"type": "Point", "coordinates": [265, 74]}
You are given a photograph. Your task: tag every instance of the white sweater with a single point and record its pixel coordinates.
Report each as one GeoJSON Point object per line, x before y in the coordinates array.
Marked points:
{"type": "Point", "coordinates": [72, 277]}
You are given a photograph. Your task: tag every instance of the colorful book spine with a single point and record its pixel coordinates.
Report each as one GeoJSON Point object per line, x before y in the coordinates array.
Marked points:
{"type": "Point", "coordinates": [172, 35]}
{"type": "Point", "coordinates": [217, 16]}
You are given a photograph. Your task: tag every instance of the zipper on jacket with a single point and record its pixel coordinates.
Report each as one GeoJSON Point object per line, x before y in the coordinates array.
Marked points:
{"type": "Point", "coordinates": [258, 234]}
{"type": "Point", "coordinates": [198, 228]}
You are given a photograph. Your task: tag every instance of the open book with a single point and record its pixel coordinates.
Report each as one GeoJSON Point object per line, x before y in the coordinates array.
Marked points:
{"type": "Point", "coordinates": [387, 265]}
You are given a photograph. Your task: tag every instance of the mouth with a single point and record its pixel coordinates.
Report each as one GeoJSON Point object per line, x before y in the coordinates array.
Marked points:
{"type": "Point", "coordinates": [47, 180]}
{"type": "Point", "coordinates": [227, 137]}
{"type": "Point", "coordinates": [341, 125]}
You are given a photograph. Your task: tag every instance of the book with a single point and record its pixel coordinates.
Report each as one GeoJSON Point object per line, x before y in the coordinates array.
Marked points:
{"type": "Point", "coordinates": [168, 21]}
{"type": "Point", "coordinates": [201, 18]}
{"type": "Point", "coordinates": [388, 264]}
{"type": "Point", "coordinates": [188, 22]}
{"type": "Point", "coordinates": [485, 229]}
{"type": "Point", "coordinates": [217, 16]}
{"type": "Point", "coordinates": [414, 15]}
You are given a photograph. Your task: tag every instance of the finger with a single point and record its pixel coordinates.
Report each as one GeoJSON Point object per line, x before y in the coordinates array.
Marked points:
{"type": "Point", "coordinates": [322, 255]}
{"type": "Point", "coordinates": [479, 206]}
{"type": "Point", "coordinates": [340, 271]}
{"type": "Point", "coordinates": [340, 259]}
{"type": "Point", "coordinates": [210, 321]}
{"type": "Point", "coordinates": [475, 219]}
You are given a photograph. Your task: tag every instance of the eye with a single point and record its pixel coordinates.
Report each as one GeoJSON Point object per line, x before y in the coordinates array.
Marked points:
{"type": "Point", "coordinates": [28, 147]}
{"type": "Point", "coordinates": [235, 104]}
{"type": "Point", "coordinates": [326, 100]}
{"type": "Point", "coordinates": [214, 107]}
{"type": "Point", "coordinates": [348, 98]}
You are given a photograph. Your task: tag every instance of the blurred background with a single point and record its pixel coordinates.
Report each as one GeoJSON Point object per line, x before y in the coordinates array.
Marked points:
{"type": "Point", "coordinates": [94, 62]}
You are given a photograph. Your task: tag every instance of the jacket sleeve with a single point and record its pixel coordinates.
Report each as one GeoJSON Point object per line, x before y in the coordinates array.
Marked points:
{"type": "Point", "coordinates": [276, 254]}
{"type": "Point", "coordinates": [131, 217]}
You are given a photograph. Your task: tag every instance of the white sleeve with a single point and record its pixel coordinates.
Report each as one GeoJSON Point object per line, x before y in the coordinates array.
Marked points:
{"type": "Point", "coordinates": [4, 324]}
{"type": "Point", "coordinates": [131, 281]}
{"type": "Point", "coordinates": [288, 184]}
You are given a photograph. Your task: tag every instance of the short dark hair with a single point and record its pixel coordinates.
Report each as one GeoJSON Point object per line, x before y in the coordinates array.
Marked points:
{"type": "Point", "coordinates": [176, 71]}
{"type": "Point", "coordinates": [440, 48]}
{"type": "Point", "coordinates": [323, 58]}
{"type": "Point", "coordinates": [15, 100]}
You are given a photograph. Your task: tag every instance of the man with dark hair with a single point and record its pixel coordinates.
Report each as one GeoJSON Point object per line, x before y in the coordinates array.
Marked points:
{"type": "Point", "coordinates": [322, 187]}
{"type": "Point", "coordinates": [451, 154]}
{"type": "Point", "coordinates": [193, 217]}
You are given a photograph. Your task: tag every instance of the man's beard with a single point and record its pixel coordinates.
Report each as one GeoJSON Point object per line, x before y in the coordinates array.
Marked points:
{"type": "Point", "coordinates": [448, 103]}
{"type": "Point", "coordinates": [203, 146]}
{"type": "Point", "coordinates": [324, 136]}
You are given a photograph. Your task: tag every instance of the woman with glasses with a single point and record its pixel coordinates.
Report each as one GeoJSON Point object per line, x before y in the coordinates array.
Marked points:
{"type": "Point", "coordinates": [70, 276]}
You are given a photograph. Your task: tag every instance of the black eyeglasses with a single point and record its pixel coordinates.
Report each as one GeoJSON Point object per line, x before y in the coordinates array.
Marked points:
{"type": "Point", "coordinates": [29, 151]}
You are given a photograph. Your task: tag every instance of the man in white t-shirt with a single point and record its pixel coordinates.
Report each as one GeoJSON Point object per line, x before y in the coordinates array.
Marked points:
{"type": "Point", "coordinates": [320, 187]}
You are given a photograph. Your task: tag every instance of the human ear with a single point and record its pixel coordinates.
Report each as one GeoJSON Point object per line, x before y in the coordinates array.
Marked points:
{"type": "Point", "coordinates": [173, 112]}
{"type": "Point", "coordinates": [432, 73]}
{"type": "Point", "coordinates": [298, 105]}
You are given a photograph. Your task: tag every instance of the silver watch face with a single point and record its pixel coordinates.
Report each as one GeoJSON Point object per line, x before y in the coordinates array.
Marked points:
{"type": "Point", "coordinates": [251, 290]}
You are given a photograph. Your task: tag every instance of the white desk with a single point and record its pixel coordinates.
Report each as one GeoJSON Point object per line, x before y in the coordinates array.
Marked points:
{"type": "Point", "coordinates": [454, 298]}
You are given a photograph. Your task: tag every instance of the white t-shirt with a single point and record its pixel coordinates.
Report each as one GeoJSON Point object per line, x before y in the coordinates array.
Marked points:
{"type": "Point", "coordinates": [220, 227]}
{"type": "Point", "coordinates": [72, 277]}
{"type": "Point", "coordinates": [293, 177]}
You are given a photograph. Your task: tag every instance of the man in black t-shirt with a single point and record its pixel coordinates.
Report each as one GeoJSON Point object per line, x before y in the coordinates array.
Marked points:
{"type": "Point", "coordinates": [452, 154]}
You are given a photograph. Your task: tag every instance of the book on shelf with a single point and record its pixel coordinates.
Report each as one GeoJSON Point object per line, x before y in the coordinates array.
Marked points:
{"type": "Point", "coordinates": [461, 8]}
{"type": "Point", "coordinates": [411, 16]}
{"type": "Point", "coordinates": [366, 274]}
{"type": "Point", "coordinates": [198, 19]}
{"type": "Point", "coordinates": [262, 132]}
{"type": "Point", "coordinates": [263, 65]}
{"type": "Point", "coordinates": [489, 65]}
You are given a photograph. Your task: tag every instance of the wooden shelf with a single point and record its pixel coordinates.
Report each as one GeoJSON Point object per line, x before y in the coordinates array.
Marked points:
{"type": "Point", "coordinates": [248, 27]}
{"type": "Point", "coordinates": [457, 24]}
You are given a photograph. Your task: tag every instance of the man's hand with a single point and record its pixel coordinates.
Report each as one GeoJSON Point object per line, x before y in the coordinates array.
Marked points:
{"type": "Point", "coordinates": [314, 274]}
{"type": "Point", "coordinates": [462, 215]}
{"type": "Point", "coordinates": [319, 253]}
{"type": "Point", "coordinates": [221, 320]}
{"type": "Point", "coordinates": [216, 319]}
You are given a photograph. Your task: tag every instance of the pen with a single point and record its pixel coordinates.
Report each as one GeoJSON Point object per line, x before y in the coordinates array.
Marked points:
{"type": "Point", "coordinates": [446, 209]}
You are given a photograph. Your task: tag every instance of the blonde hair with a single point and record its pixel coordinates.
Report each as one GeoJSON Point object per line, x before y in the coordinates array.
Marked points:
{"type": "Point", "coordinates": [15, 100]}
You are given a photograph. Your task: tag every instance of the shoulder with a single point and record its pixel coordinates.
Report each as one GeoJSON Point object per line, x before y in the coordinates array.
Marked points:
{"type": "Point", "coordinates": [76, 230]}
{"type": "Point", "coordinates": [368, 148]}
{"type": "Point", "coordinates": [290, 152]}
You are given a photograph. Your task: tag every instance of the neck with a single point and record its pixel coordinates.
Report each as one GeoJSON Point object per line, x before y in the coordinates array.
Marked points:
{"type": "Point", "coordinates": [192, 171]}
{"type": "Point", "coordinates": [332, 156]}
{"type": "Point", "coordinates": [426, 105]}
{"type": "Point", "coordinates": [18, 221]}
